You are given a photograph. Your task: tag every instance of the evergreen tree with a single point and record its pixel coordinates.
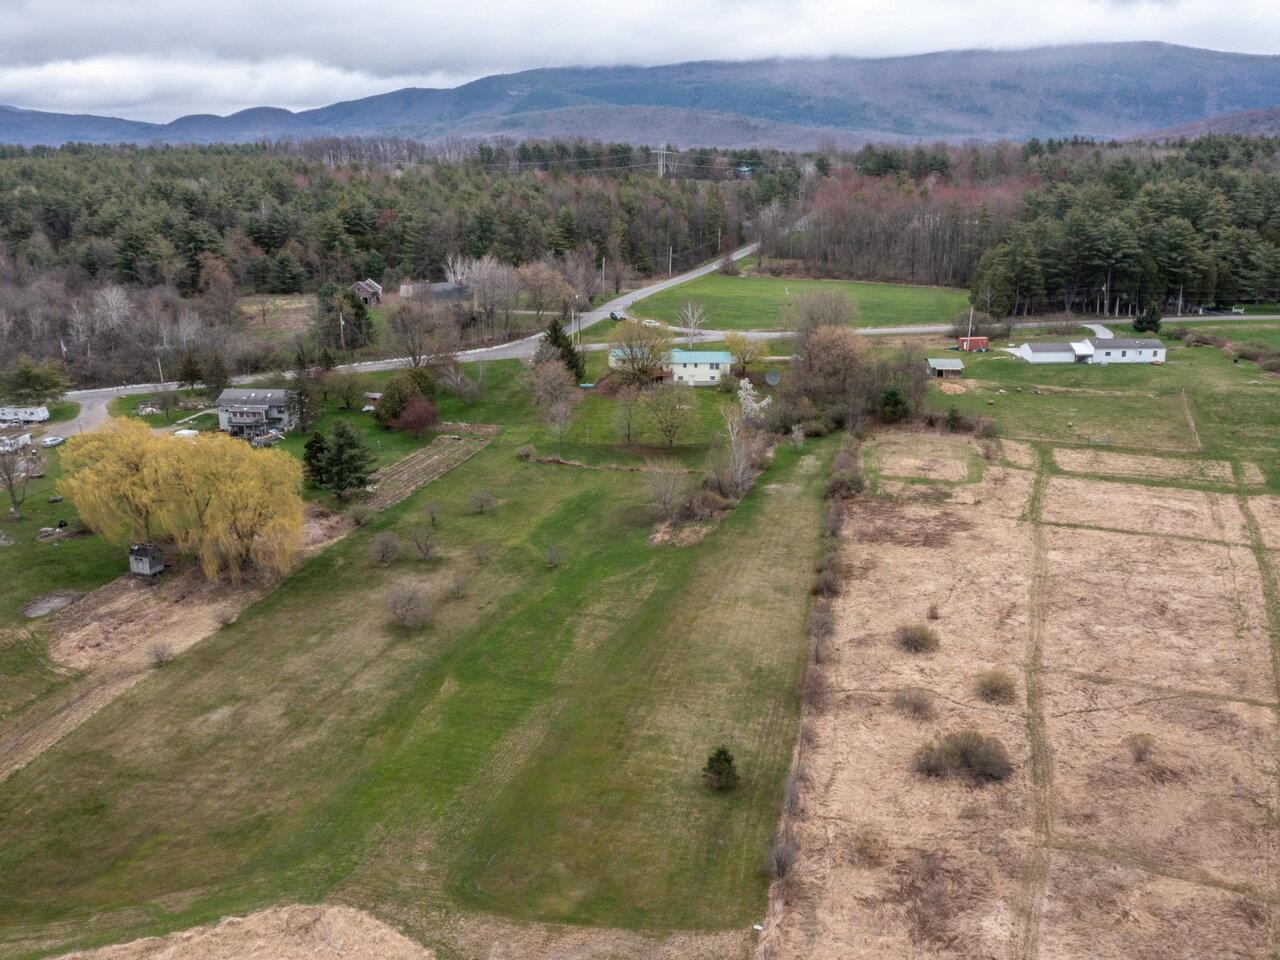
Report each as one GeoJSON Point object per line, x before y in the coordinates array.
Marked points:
{"type": "Point", "coordinates": [189, 372]}
{"type": "Point", "coordinates": [315, 458]}
{"type": "Point", "coordinates": [569, 354]}
{"type": "Point", "coordinates": [893, 405]}
{"type": "Point", "coordinates": [215, 376]}
{"type": "Point", "coordinates": [720, 772]}
{"type": "Point", "coordinates": [286, 274]}
{"type": "Point", "coordinates": [303, 396]}
{"type": "Point", "coordinates": [348, 464]}
{"type": "Point", "coordinates": [28, 382]}
{"type": "Point", "coordinates": [1149, 320]}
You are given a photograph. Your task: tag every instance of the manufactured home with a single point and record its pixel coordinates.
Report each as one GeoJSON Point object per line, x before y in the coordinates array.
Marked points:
{"type": "Point", "coordinates": [24, 414]}
{"type": "Point", "coordinates": [1095, 350]}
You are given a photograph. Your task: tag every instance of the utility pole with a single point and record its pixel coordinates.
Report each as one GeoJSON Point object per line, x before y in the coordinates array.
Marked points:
{"type": "Point", "coordinates": [670, 258]}
{"type": "Point", "coordinates": [161, 369]}
{"type": "Point", "coordinates": [342, 331]}
{"type": "Point", "coordinates": [662, 163]}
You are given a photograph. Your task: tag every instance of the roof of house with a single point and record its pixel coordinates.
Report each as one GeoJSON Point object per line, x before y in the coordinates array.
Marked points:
{"type": "Point", "coordinates": [1050, 347]}
{"type": "Point", "coordinates": [1127, 343]}
{"type": "Point", "coordinates": [701, 356]}
{"type": "Point", "coordinates": [233, 396]}
{"type": "Point", "coordinates": [370, 285]}
{"type": "Point", "coordinates": [945, 363]}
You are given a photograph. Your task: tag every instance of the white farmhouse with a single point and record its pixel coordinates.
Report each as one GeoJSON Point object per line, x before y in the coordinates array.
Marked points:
{"type": "Point", "coordinates": [1095, 350]}
{"type": "Point", "coordinates": [251, 413]}
{"type": "Point", "coordinates": [699, 368]}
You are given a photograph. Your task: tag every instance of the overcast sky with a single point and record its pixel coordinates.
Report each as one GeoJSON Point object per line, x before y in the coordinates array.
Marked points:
{"type": "Point", "coordinates": [159, 59]}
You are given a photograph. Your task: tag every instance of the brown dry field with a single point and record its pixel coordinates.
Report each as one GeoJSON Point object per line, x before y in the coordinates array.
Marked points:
{"type": "Point", "coordinates": [1267, 512]}
{"type": "Point", "coordinates": [1104, 851]}
{"type": "Point", "coordinates": [931, 456]}
{"type": "Point", "coordinates": [1019, 453]}
{"type": "Point", "coordinates": [1136, 465]}
{"type": "Point", "coordinates": [1141, 509]}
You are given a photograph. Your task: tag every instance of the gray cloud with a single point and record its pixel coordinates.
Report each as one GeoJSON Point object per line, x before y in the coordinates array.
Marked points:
{"type": "Point", "coordinates": [156, 59]}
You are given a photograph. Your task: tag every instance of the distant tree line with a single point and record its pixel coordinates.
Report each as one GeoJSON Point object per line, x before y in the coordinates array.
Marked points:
{"type": "Point", "coordinates": [1052, 225]}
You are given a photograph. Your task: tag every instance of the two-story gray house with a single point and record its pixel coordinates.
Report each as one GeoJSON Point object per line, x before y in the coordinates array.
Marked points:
{"type": "Point", "coordinates": [252, 412]}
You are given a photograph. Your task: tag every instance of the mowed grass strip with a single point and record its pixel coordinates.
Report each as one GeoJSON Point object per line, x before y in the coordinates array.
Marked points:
{"type": "Point", "coordinates": [309, 746]}
{"type": "Point", "coordinates": [756, 303]}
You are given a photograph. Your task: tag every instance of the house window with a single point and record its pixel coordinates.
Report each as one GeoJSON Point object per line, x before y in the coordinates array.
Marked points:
{"type": "Point", "coordinates": [1124, 353]}
{"type": "Point", "coordinates": [680, 378]}
{"type": "Point", "coordinates": [715, 366]}
{"type": "Point", "coordinates": [1108, 353]}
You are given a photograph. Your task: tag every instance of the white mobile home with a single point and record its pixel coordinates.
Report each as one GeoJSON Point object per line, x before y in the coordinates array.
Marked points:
{"type": "Point", "coordinates": [699, 368]}
{"type": "Point", "coordinates": [1095, 350]}
{"type": "Point", "coordinates": [24, 414]}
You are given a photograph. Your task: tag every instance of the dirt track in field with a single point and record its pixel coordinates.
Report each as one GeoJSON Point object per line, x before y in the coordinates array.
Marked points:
{"type": "Point", "coordinates": [1140, 820]}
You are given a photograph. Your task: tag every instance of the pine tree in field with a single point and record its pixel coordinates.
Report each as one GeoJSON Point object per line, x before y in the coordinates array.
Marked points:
{"type": "Point", "coordinates": [1149, 320]}
{"type": "Point", "coordinates": [315, 457]}
{"type": "Point", "coordinates": [348, 464]}
{"type": "Point", "coordinates": [720, 772]}
{"type": "Point", "coordinates": [569, 354]}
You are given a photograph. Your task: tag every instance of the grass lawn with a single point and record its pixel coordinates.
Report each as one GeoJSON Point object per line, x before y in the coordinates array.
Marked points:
{"type": "Point", "coordinates": [754, 303]}
{"type": "Point", "coordinates": [62, 411]}
{"type": "Point", "coordinates": [1260, 331]}
{"type": "Point", "coordinates": [127, 406]}
{"type": "Point", "coordinates": [546, 722]}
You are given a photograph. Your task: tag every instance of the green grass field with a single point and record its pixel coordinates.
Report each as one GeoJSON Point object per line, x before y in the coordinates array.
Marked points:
{"type": "Point", "coordinates": [1260, 331]}
{"type": "Point", "coordinates": [1199, 402]}
{"type": "Point", "coordinates": [756, 303]}
{"type": "Point", "coordinates": [128, 404]}
{"type": "Point", "coordinates": [546, 721]}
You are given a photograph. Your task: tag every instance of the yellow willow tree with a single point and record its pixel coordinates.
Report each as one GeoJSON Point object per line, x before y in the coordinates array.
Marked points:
{"type": "Point", "coordinates": [233, 507]}
{"type": "Point", "coordinates": [111, 477]}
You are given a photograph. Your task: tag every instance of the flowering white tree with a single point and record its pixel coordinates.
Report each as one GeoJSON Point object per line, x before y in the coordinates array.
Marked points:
{"type": "Point", "coordinates": [754, 406]}
{"type": "Point", "coordinates": [691, 316]}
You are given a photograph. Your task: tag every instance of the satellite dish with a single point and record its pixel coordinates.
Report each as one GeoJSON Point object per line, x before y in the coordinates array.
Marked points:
{"type": "Point", "coordinates": [773, 378]}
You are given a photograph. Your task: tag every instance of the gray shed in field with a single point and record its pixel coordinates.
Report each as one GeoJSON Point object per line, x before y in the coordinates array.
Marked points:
{"type": "Point", "coordinates": [146, 560]}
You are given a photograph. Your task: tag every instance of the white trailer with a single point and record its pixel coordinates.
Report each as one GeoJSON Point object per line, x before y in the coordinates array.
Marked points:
{"type": "Point", "coordinates": [24, 414]}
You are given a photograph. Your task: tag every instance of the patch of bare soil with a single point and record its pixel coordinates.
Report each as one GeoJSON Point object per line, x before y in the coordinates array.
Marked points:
{"type": "Point", "coordinates": [1019, 453]}
{"type": "Point", "coordinates": [284, 933]}
{"type": "Point", "coordinates": [48, 603]}
{"type": "Point", "coordinates": [927, 456]}
{"type": "Point", "coordinates": [1135, 465]}
{"type": "Point", "coordinates": [1098, 909]}
{"type": "Point", "coordinates": [1185, 778]}
{"type": "Point", "coordinates": [892, 864]}
{"type": "Point", "coordinates": [1141, 509]}
{"type": "Point", "coordinates": [955, 387]}
{"type": "Point", "coordinates": [1176, 613]}
{"type": "Point", "coordinates": [1252, 474]}
{"type": "Point", "coordinates": [667, 534]}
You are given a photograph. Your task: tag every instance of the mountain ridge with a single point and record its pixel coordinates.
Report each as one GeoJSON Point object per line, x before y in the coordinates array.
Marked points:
{"type": "Point", "coordinates": [1100, 90]}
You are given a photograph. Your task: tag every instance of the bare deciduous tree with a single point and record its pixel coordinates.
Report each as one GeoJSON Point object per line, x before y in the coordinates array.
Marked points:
{"type": "Point", "coordinates": [666, 489]}
{"type": "Point", "coordinates": [691, 316]}
{"type": "Point", "coordinates": [545, 287]}
{"type": "Point", "coordinates": [409, 607]}
{"type": "Point", "coordinates": [669, 409]}
{"type": "Point", "coordinates": [639, 351]}
{"type": "Point", "coordinates": [16, 467]}
{"type": "Point", "coordinates": [422, 330]}
{"type": "Point", "coordinates": [626, 413]}
{"type": "Point", "coordinates": [556, 396]}
{"type": "Point", "coordinates": [820, 308]}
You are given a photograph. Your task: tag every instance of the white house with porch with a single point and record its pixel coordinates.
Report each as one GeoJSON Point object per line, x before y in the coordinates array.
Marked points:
{"type": "Point", "coordinates": [252, 412]}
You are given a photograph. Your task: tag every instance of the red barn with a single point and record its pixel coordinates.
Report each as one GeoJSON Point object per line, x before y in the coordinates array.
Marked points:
{"type": "Point", "coordinates": [974, 343]}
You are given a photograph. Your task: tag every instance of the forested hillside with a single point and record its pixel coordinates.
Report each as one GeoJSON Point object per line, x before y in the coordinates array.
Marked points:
{"type": "Point", "coordinates": [109, 256]}
{"type": "Point", "coordinates": [1055, 226]}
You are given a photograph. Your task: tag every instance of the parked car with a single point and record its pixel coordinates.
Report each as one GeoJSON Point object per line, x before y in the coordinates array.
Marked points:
{"type": "Point", "coordinates": [52, 441]}
{"type": "Point", "coordinates": [615, 315]}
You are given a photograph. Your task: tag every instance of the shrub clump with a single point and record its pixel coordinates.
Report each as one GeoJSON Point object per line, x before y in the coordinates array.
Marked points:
{"type": "Point", "coordinates": [409, 606]}
{"type": "Point", "coordinates": [917, 638]}
{"type": "Point", "coordinates": [385, 548]}
{"type": "Point", "coordinates": [973, 756]}
{"type": "Point", "coordinates": [914, 702]}
{"type": "Point", "coordinates": [526, 451]}
{"type": "Point", "coordinates": [996, 686]}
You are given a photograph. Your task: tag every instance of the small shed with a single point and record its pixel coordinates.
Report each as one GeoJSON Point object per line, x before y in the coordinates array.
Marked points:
{"type": "Point", "coordinates": [948, 367]}
{"type": "Point", "coordinates": [972, 344]}
{"type": "Point", "coordinates": [146, 560]}
{"type": "Point", "coordinates": [369, 291]}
